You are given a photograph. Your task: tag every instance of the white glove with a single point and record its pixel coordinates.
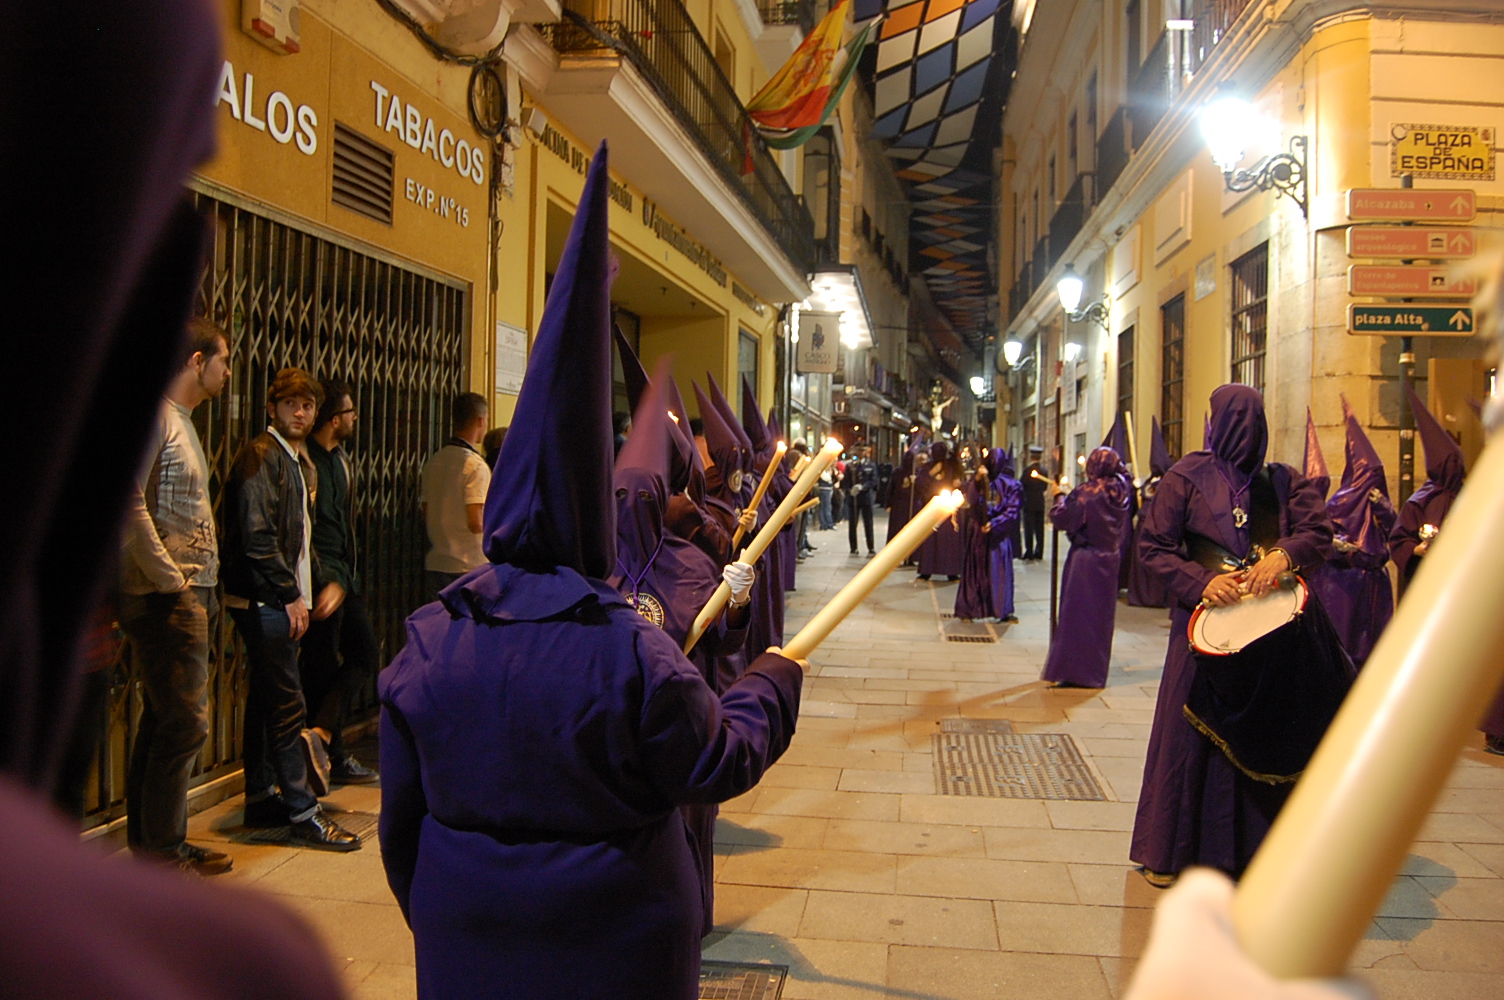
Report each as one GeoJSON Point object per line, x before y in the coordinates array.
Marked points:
{"type": "Point", "coordinates": [739, 577]}
{"type": "Point", "coordinates": [1193, 953]}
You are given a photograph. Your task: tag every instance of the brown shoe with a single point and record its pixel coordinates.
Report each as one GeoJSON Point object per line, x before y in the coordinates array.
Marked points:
{"type": "Point", "coordinates": [1160, 880]}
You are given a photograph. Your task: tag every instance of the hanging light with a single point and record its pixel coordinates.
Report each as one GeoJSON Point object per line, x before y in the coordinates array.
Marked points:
{"type": "Point", "coordinates": [978, 385]}
{"type": "Point", "coordinates": [1069, 288]}
{"type": "Point", "coordinates": [1072, 351]}
{"type": "Point", "coordinates": [1012, 351]}
{"type": "Point", "coordinates": [1225, 122]}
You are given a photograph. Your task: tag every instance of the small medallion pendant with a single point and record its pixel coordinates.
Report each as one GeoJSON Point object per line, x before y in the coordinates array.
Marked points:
{"type": "Point", "coordinates": [1239, 517]}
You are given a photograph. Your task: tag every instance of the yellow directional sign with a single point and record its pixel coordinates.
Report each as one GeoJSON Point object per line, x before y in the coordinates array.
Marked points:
{"type": "Point", "coordinates": [1442, 152]}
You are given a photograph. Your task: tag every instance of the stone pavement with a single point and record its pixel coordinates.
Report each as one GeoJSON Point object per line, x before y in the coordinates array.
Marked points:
{"type": "Point", "coordinates": [845, 865]}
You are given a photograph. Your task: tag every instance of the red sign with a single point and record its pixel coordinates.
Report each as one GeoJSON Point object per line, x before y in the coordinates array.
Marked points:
{"type": "Point", "coordinates": [1409, 242]}
{"type": "Point", "coordinates": [1408, 281]}
{"type": "Point", "coordinates": [1410, 205]}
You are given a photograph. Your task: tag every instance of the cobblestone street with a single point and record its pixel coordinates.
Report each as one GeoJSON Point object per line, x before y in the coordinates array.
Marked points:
{"type": "Point", "coordinates": [849, 869]}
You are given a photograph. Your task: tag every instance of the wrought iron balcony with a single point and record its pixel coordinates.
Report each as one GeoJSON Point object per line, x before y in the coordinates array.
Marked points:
{"type": "Point", "coordinates": [660, 40]}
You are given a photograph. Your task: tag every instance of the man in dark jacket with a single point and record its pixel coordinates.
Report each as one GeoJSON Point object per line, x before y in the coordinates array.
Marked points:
{"type": "Point", "coordinates": [1036, 483]}
{"type": "Point", "coordinates": [859, 482]}
{"type": "Point", "coordinates": [268, 572]}
{"type": "Point", "coordinates": [340, 654]}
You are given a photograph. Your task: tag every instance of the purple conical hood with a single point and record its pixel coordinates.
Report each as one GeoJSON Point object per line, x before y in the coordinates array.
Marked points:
{"type": "Point", "coordinates": [632, 372]}
{"type": "Point", "coordinates": [1350, 506]}
{"type": "Point", "coordinates": [1159, 455]}
{"type": "Point", "coordinates": [723, 407]}
{"type": "Point", "coordinates": [696, 480]}
{"type": "Point", "coordinates": [752, 422]}
{"type": "Point", "coordinates": [1444, 464]}
{"type": "Point", "coordinates": [1117, 438]}
{"type": "Point", "coordinates": [1315, 462]}
{"type": "Point", "coordinates": [1237, 433]}
{"type": "Point", "coordinates": [724, 480]}
{"type": "Point", "coordinates": [1365, 470]}
{"type": "Point", "coordinates": [644, 465]}
{"type": "Point", "coordinates": [550, 504]}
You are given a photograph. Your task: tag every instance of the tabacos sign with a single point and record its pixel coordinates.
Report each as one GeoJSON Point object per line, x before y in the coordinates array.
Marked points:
{"type": "Point", "coordinates": [269, 111]}
{"type": "Point", "coordinates": [413, 127]}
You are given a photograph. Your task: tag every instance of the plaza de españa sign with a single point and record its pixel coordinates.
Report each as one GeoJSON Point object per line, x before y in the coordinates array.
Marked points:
{"type": "Point", "coordinates": [1442, 152]}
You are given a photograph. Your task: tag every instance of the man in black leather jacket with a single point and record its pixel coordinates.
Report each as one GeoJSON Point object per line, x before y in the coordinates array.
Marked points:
{"type": "Point", "coordinates": [268, 573]}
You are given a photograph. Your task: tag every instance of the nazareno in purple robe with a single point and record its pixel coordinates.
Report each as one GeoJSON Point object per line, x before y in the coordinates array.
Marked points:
{"type": "Point", "coordinates": [1354, 585]}
{"type": "Point", "coordinates": [986, 589]}
{"type": "Point", "coordinates": [1144, 588]}
{"type": "Point", "coordinates": [538, 735]}
{"type": "Point", "coordinates": [112, 257]}
{"type": "Point", "coordinates": [1429, 504]}
{"type": "Point", "coordinates": [903, 498]}
{"type": "Point", "coordinates": [943, 553]}
{"type": "Point", "coordinates": [974, 597]}
{"type": "Point", "coordinates": [1196, 807]}
{"type": "Point", "coordinates": [782, 485]}
{"type": "Point", "coordinates": [1095, 516]}
{"type": "Point", "coordinates": [1003, 538]}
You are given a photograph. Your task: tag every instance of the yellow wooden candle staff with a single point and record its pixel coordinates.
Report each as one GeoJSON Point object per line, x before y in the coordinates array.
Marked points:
{"type": "Point", "coordinates": [877, 569]}
{"type": "Point", "coordinates": [764, 537]}
{"type": "Point", "coordinates": [762, 489]}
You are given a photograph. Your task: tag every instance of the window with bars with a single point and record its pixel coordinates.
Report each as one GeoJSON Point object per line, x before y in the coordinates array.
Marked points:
{"type": "Point", "coordinates": [1172, 375]}
{"type": "Point", "coordinates": [1125, 371]}
{"type": "Point", "coordinates": [1250, 316]}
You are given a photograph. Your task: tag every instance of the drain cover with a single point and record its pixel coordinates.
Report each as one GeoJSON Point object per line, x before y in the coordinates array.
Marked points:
{"type": "Point", "coordinates": [738, 981]}
{"type": "Point", "coordinates": [975, 726]}
{"type": "Point", "coordinates": [951, 637]}
{"type": "Point", "coordinates": [362, 824]}
{"type": "Point", "coordinates": [1012, 766]}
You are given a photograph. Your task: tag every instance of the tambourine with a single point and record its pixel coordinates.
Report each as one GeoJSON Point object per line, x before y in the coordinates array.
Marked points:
{"type": "Point", "coordinates": [1222, 631]}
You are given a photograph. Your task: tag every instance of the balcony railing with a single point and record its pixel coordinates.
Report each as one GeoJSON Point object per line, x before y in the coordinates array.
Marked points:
{"type": "Point", "coordinates": [662, 42]}
{"type": "Point", "coordinates": [1112, 152]}
{"type": "Point", "coordinates": [1069, 217]}
{"type": "Point", "coordinates": [1151, 91]}
{"type": "Point", "coordinates": [1213, 19]}
{"type": "Point", "coordinates": [800, 12]}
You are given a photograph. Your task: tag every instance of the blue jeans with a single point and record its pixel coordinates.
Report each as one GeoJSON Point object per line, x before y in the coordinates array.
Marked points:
{"type": "Point", "coordinates": [826, 524]}
{"type": "Point", "coordinates": [274, 711]}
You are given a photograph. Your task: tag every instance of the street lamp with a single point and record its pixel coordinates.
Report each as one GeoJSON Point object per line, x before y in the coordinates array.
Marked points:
{"type": "Point", "coordinates": [1012, 351]}
{"type": "Point", "coordinates": [1072, 351]}
{"type": "Point", "coordinates": [1070, 288]}
{"type": "Point", "coordinates": [978, 386]}
{"type": "Point", "coordinates": [1226, 121]}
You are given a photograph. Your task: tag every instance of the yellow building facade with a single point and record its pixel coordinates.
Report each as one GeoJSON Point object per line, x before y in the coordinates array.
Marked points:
{"type": "Point", "coordinates": [1107, 171]}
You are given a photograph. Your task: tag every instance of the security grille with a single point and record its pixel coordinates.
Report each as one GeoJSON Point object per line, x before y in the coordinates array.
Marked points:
{"type": "Point", "coordinates": [1250, 316]}
{"type": "Point", "coordinates": [364, 174]}
{"type": "Point", "coordinates": [741, 981]}
{"type": "Point", "coordinates": [1012, 766]}
{"type": "Point", "coordinates": [340, 310]}
{"type": "Point", "coordinates": [1172, 375]}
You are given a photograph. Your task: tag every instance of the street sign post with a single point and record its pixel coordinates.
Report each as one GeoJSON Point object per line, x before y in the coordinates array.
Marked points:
{"type": "Point", "coordinates": [1450, 320]}
{"type": "Point", "coordinates": [1410, 281]}
{"type": "Point", "coordinates": [1411, 242]}
{"type": "Point", "coordinates": [1411, 205]}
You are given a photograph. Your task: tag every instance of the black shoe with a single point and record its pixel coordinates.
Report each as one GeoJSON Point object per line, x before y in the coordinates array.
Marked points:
{"type": "Point", "coordinates": [1494, 744]}
{"type": "Point", "coordinates": [266, 814]}
{"type": "Point", "coordinates": [812, 548]}
{"type": "Point", "coordinates": [350, 771]}
{"type": "Point", "coordinates": [855, 552]}
{"type": "Point", "coordinates": [953, 578]}
{"type": "Point", "coordinates": [316, 761]}
{"type": "Point", "coordinates": [924, 576]}
{"type": "Point", "coordinates": [201, 861]}
{"type": "Point", "coordinates": [323, 833]}
{"type": "Point", "coordinates": [871, 553]}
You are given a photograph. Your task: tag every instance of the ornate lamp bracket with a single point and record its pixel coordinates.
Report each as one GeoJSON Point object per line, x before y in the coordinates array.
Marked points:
{"type": "Point", "coordinates": [1283, 172]}
{"type": "Point", "coordinates": [1098, 312]}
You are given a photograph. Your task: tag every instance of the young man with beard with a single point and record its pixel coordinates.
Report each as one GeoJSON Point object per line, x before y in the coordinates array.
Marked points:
{"type": "Point", "coordinates": [169, 569]}
{"type": "Point", "coordinates": [340, 653]}
{"type": "Point", "coordinates": [269, 574]}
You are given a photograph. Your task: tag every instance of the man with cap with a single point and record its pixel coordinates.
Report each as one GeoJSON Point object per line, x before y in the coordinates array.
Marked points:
{"type": "Point", "coordinates": [539, 735]}
{"type": "Point", "coordinates": [1036, 484]}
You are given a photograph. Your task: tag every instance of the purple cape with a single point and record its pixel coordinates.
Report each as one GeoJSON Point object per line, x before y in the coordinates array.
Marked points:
{"type": "Point", "coordinates": [1095, 516]}
{"type": "Point", "coordinates": [1195, 806]}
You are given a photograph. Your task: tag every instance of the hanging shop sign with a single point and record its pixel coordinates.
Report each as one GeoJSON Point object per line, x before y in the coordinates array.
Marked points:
{"type": "Point", "coordinates": [1442, 152]}
{"type": "Point", "coordinates": [818, 340]}
{"type": "Point", "coordinates": [1411, 242]}
{"type": "Point", "coordinates": [1450, 320]}
{"type": "Point", "coordinates": [1411, 205]}
{"type": "Point", "coordinates": [270, 111]}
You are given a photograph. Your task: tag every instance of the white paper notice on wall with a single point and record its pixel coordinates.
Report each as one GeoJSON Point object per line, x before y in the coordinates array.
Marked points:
{"type": "Point", "coordinates": [1206, 276]}
{"type": "Point", "coordinates": [511, 357]}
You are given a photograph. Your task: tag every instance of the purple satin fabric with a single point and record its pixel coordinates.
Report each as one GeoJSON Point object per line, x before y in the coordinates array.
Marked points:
{"type": "Point", "coordinates": [1144, 587]}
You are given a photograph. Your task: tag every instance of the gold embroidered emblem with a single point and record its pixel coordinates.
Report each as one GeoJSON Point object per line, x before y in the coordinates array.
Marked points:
{"type": "Point", "coordinates": [647, 605]}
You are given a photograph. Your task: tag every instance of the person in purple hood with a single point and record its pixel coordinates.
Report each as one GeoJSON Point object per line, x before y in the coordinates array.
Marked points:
{"type": "Point", "coordinates": [989, 524]}
{"type": "Point", "coordinates": [538, 734]}
{"type": "Point", "coordinates": [1095, 516]}
{"type": "Point", "coordinates": [942, 552]}
{"type": "Point", "coordinates": [1354, 585]}
{"type": "Point", "coordinates": [1421, 515]}
{"type": "Point", "coordinates": [1222, 504]}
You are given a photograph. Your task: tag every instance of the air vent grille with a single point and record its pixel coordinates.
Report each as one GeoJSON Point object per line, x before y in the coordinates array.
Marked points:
{"type": "Point", "coordinates": [363, 174]}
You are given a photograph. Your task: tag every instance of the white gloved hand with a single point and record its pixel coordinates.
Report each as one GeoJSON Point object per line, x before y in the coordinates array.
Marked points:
{"type": "Point", "coordinates": [1193, 953]}
{"type": "Point", "coordinates": [739, 577]}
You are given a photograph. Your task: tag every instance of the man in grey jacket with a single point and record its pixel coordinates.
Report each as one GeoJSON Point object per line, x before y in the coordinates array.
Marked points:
{"type": "Point", "coordinates": [269, 572]}
{"type": "Point", "coordinates": [168, 572]}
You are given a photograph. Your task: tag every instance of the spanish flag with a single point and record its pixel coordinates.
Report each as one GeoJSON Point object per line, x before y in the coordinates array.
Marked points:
{"type": "Point", "coordinates": [793, 105]}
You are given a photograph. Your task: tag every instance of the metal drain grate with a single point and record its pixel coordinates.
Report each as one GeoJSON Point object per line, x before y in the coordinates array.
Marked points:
{"type": "Point", "coordinates": [362, 824]}
{"type": "Point", "coordinates": [950, 637]}
{"type": "Point", "coordinates": [1012, 766]}
{"type": "Point", "coordinates": [975, 726]}
{"type": "Point", "coordinates": [738, 981]}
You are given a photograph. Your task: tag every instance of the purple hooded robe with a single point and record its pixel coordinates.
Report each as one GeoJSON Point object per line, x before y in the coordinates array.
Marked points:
{"type": "Point", "coordinates": [1117, 440]}
{"type": "Point", "coordinates": [1429, 504]}
{"type": "Point", "coordinates": [1144, 588]}
{"type": "Point", "coordinates": [538, 735]}
{"type": "Point", "coordinates": [903, 499]}
{"type": "Point", "coordinates": [1354, 585]}
{"type": "Point", "coordinates": [1195, 806]}
{"type": "Point", "coordinates": [986, 589]}
{"type": "Point", "coordinates": [943, 553]}
{"type": "Point", "coordinates": [1095, 516]}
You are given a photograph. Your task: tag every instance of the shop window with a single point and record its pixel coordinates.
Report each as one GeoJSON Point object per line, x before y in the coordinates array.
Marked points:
{"type": "Point", "coordinates": [1172, 377]}
{"type": "Point", "coordinates": [1125, 371]}
{"type": "Point", "coordinates": [1250, 316]}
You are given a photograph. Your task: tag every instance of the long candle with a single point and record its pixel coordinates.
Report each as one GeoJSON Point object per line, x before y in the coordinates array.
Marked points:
{"type": "Point", "coordinates": [818, 628]}
{"type": "Point", "coordinates": [762, 489]}
{"type": "Point", "coordinates": [764, 538]}
{"type": "Point", "coordinates": [806, 505]}
{"type": "Point", "coordinates": [1324, 869]}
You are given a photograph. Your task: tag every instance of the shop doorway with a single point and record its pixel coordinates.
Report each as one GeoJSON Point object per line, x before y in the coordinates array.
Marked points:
{"type": "Point", "coordinates": [396, 333]}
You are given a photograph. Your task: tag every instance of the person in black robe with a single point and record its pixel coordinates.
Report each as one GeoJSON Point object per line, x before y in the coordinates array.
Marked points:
{"type": "Point", "coordinates": [1036, 483]}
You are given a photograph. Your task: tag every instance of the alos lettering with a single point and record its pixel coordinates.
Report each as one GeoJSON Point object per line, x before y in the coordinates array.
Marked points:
{"type": "Point", "coordinates": [275, 116]}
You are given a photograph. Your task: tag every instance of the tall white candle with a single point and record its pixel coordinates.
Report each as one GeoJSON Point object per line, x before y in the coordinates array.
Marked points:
{"type": "Point", "coordinates": [762, 489]}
